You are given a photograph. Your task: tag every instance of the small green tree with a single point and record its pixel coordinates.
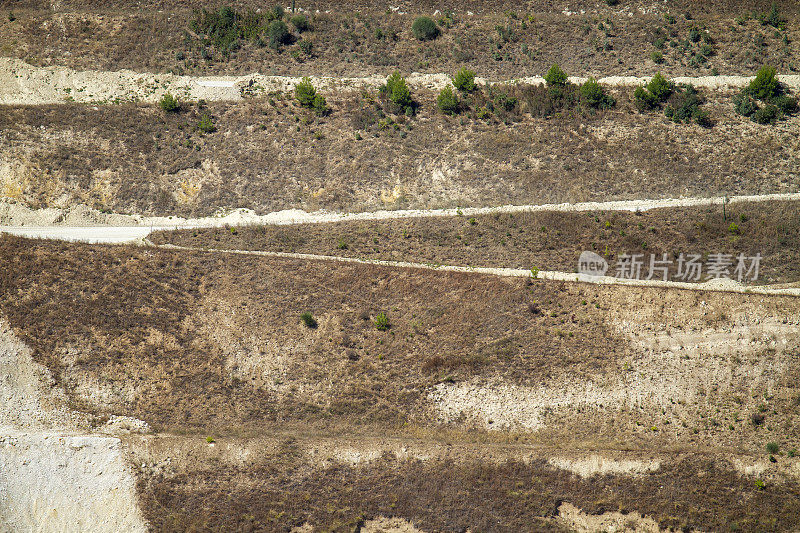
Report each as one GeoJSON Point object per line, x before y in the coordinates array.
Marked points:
{"type": "Point", "coordinates": [447, 101]}
{"type": "Point", "coordinates": [169, 103]}
{"type": "Point", "coordinates": [382, 322]}
{"type": "Point", "coordinates": [425, 29]}
{"type": "Point", "coordinates": [305, 92]}
{"type": "Point", "coordinates": [464, 80]}
{"type": "Point", "coordinates": [206, 125]}
{"type": "Point", "coordinates": [309, 320]}
{"type": "Point", "coordinates": [660, 87]}
{"type": "Point", "coordinates": [555, 76]}
{"type": "Point", "coordinates": [397, 91]}
{"type": "Point", "coordinates": [593, 95]}
{"type": "Point", "coordinates": [765, 85]}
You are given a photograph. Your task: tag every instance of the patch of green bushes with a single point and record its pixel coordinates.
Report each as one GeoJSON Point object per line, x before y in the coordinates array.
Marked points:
{"type": "Point", "coordinates": [278, 34]}
{"type": "Point", "coordinates": [555, 76]}
{"type": "Point", "coordinates": [593, 95]}
{"type": "Point", "coordinates": [684, 105]}
{"type": "Point", "coordinates": [397, 92]}
{"type": "Point", "coordinates": [307, 96]}
{"type": "Point", "coordinates": [382, 322]}
{"type": "Point", "coordinates": [309, 320]}
{"type": "Point", "coordinates": [425, 29]}
{"type": "Point", "coordinates": [447, 101]}
{"type": "Point", "coordinates": [301, 23]}
{"type": "Point", "coordinates": [654, 93]}
{"type": "Point", "coordinates": [765, 88]}
{"type": "Point", "coordinates": [169, 103]}
{"type": "Point", "coordinates": [206, 125]}
{"type": "Point", "coordinates": [464, 80]}
{"type": "Point", "coordinates": [226, 28]}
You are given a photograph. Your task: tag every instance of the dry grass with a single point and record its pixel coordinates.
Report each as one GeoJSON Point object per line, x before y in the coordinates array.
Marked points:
{"type": "Point", "coordinates": [546, 240]}
{"type": "Point", "coordinates": [453, 496]}
{"type": "Point", "coordinates": [345, 39]}
{"type": "Point", "coordinates": [270, 155]}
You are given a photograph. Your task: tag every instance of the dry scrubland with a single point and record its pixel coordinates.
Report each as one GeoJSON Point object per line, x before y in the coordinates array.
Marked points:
{"type": "Point", "coordinates": [544, 240]}
{"type": "Point", "coordinates": [358, 38]}
{"type": "Point", "coordinates": [340, 423]}
{"type": "Point", "coordinates": [269, 154]}
{"type": "Point", "coordinates": [237, 392]}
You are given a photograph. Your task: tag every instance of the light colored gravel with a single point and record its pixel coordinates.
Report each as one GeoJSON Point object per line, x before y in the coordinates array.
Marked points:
{"type": "Point", "coordinates": [21, 83]}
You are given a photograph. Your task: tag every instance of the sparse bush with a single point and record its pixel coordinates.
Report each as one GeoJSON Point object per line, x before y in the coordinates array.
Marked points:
{"type": "Point", "coordinates": [792, 453]}
{"type": "Point", "coordinates": [744, 104]}
{"type": "Point", "coordinates": [320, 106]}
{"type": "Point", "coordinates": [169, 103]}
{"type": "Point", "coordinates": [765, 85]}
{"type": "Point", "coordinates": [447, 101]}
{"type": "Point", "coordinates": [773, 18]}
{"type": "Point", "coordinates": [660, 87]}
{"type": "Point", "coordinates": [555, 76]}
{"type": "Point", "coordinates": [278, 33]}
{"type": "Point", "coordinates": [684, 106]}
{"type": "Point", "coordinates": [593, 95]}
{"type": "Point", "coordinates": [382, 322]}
{"type": "Point", "coordinates": [657, 57]}
{"type": "Point", "coordinates": [772, 447]}
{"type": "Point", "coordinates": [425, 29]}
{"type": "Point", "coordinates": [757, 419]}
{"type": "Point", "coordinates": [308, 320]}
{"type": "Point", "coordinates": [644, 99]}
{"type": "Point", "coordinates": [464, 80]}
{"type": "Point", "coordinates": [766, 115]}
{"type": "Point", "coordinates": [306, 46]}
{"type": "Point", "coordinates": [396, 90]}
{"type": "Point", "coordinates": [300, 22]}
{"type": "Point", "coordinates": [305, 92]}
{"type": "Point", "coordinates": [206, 125]}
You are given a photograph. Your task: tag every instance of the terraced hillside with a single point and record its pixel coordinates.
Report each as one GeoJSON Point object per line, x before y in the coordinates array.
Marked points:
{"type": "Point", "coordinates": [354, 302]}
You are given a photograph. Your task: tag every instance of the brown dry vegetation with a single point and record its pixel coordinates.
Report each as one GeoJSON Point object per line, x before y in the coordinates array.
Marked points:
{"type": "Point", "coordinates": [213, 341]}
{"type": "Point", "coordinates": [603, 41]}
{"type": "Point", "coordinates": [212, 344]}
{"type": "Point", "coordinates": [267, 154]}
{"type": "Point", "coordinates": [462, 495]}
{"type": "Point", "coordinates": [546, 240]}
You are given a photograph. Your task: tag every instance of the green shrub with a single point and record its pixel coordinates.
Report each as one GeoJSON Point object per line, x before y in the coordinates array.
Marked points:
{"type": "Point", "coordinates": [772, 447]}
{"type": "Point", "coordinates": [792, 452]}
{"type": "Point", "coordinates": [786, 104]}
{"type": "Point", "coordinates": [744, 104]}
{"type": "Point", "coordinates": [765, 85]}
{"type": "Point", "coordinates": [593, 95]}
{"type": "Point", "coordinates": [464, 80]}
{"type": "Point", "coordinates": [644, 99]}
{"type": "Point", "coordinates": [766, 115]}
{"type": "Point", "coordinates": [300, 22]}
{"type": "Point", "coordinates": [447, 101]}
{"type": "Point", "coordinates": [773, 18]}
{"type": "Point", "coordinates": [684, 106]}
{"type": "Point", "coordinates": [278, 33]}
{"type": "Point", "coordinates": [305, 92]}
{"type": "Point", "coordinates": [306, 46]}
{"type": "Point", "coordinates": [555, 76]}
{"type": "Point", "coordinates": [206, 125]}
{"type": "Point", "coordinates": [169, 103]}
{"type": "Point", "coordinates": [382, 322]}
{"type": "Point", "coordinates": [320, 106]}
{"type": "Point", "coordinates": [396, 90]}
{"type": "Point", "coordinates": [657, 57]}
{"type": "Point", "coordinates": [660, 87]}
{"type": "Point", "coordinates": [424, 29]}
{"type": "Point", "coordinates": [308, 320]}
{"type": "Point", "coordinates": [734, 228]}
